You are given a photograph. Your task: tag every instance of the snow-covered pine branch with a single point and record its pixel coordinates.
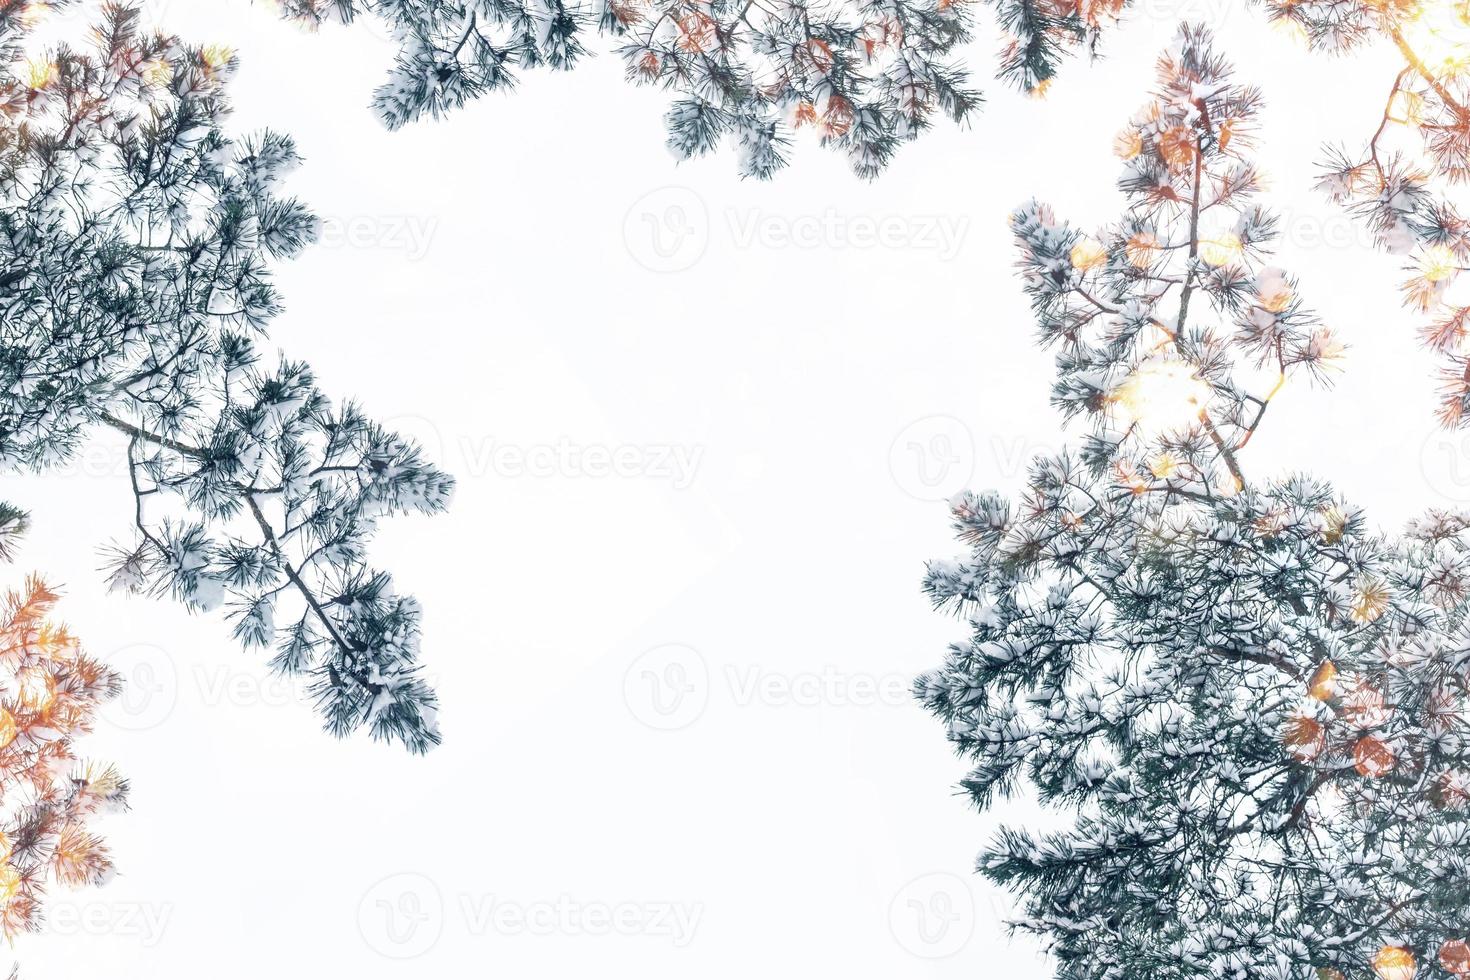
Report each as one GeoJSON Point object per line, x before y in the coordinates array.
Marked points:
{"type": "Point", "coordinates": [136, 245]}
{"type": "Point", "coordinates": [50, 797]}
{"type": "Point", "coordinates": [1404, 183]}
{"type": "Point", "coordinates": [1247, 711]}
{"type": "Point", "coordinates": [864, 76]}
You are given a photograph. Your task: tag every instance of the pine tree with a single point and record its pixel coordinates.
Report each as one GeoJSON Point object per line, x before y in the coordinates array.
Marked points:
{"type": "Point", "coordinates": [49, 694]}
{"type": "Point", "coordinates": [1402, 184]}
{"type": "Point", "coordinates": [867, 75]}
{"type": "Point", "coordinates": [1245, 709]}
{"type": "Point", "coordinates": [862, 75]}
{"type": "Point", "coordinates": [137, 240]}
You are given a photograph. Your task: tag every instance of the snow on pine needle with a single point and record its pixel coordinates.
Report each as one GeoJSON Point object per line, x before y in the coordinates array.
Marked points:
{"type": "Point", "coordinates": [50, 691]}
{"type": "Point", "coordinates": [865, 76]}
{"type": "Point", "coordinates": [137, 242]}
{"type": "Point", "coordinates": [1247, 710]}
{"type": "Point", "coordinates": [859, 76]}
{"type": "Point", "coordinates": [1406, 183]}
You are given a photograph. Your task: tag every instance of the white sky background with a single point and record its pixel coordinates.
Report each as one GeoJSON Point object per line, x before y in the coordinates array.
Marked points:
{"type": "Point", "coordinates": [795, 833]}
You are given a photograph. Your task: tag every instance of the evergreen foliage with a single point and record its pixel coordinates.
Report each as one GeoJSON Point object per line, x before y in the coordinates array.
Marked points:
{"type": "Point", "coordinates": [1246, 709]}
{"type": "Point", "coordinates": [50, 691]}
{"type": "Point", "coordinates": [863, 76]}
{"type": "Point", "coordinates": [137, 240]}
